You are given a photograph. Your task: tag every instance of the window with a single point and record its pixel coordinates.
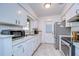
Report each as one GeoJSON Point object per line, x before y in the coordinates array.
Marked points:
{"type": "Point", "coordinates": [48, 28]}
{"type": "Point", "coordinates": [28, 25]}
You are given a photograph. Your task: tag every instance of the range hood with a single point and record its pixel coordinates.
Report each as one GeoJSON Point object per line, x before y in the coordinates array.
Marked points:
{"type": "Point", "coordinates": [74, 19]}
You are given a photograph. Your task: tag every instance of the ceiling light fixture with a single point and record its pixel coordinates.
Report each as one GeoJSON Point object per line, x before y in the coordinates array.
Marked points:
{"type": "Point", "coordinates": [19, 12]}
{"type": "Point", "coordinates": [47, 5]}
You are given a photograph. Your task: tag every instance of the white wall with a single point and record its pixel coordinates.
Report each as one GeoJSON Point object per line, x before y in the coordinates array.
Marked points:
{"type": "Point", "coordinates": [43, 20]}
{"type": "Point", "coordinates": [29, 10]}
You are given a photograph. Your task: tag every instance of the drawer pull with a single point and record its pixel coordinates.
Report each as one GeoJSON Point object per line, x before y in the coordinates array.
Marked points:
{"type": "Point", "coordinates": [19, 46]}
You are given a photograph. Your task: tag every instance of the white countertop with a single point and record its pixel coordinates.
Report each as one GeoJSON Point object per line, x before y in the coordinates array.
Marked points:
{"type": "Point", "coordinates": [20, 40]}
{"type": "Point", "coordinates": [5, 36]}
{"type": "Point", "coordinates": [65, 35]}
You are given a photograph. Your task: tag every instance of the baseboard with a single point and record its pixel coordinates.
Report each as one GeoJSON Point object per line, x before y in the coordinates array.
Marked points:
{"type": "Point", "coordinates": [48, 43]}
{"type": "Point", "coordinates": [62, 53]}
{"type": "Point", "coordinates": [36, 49]}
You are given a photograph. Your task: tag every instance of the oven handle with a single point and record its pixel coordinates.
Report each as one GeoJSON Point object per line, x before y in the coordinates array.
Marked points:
{"type": "Point", "coordinates": [66, 43]}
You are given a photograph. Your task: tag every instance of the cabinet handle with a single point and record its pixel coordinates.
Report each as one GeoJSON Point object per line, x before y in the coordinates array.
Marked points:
{"type": "Point", "coordinates": [19, 46]}
{"type": "Point", "coordinates": [23, 49]}
{"type": "Point", "coordinates": [77, 11]}
{"type": "Point", "coordinates": [16, 21]}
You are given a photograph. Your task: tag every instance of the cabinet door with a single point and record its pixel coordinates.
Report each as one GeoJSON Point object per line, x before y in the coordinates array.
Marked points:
{"type": "Point", "coordinates": [12, 13]}
{"type": "Point", "coordinates": [6, 46]}
{"type": "Point", "coordinates": [8, 12]}
{"type": "Point", "coordinates": [21, 16]}
{"type": "Point", "coordinates": [35, 42]}
{"type": "Point", "coordinates": [71, 12]}
{"type": "Point", "coordinates": [76, 51]}
{"type": "Point", "coordinates": [39, 38]}
{"type": "Point", "coordinates": [28, 47]}
{"type": "Point", "coordinates": [18, 50]}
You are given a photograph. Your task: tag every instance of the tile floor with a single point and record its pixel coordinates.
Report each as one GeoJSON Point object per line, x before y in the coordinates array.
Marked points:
{"type": "Point", "coordinates": [47, 50]}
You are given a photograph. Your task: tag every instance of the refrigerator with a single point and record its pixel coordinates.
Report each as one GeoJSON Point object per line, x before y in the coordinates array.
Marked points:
{"type": "Point", "coordinates": [60, 29]}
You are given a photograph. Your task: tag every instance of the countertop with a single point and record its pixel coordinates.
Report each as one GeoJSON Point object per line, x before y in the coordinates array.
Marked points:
{"type": "Point", "coordinates": [22, 39]}
{"type": "Point", "coordinates": [5, 36]}
{"type": "Point", "coordinates": [65, 35]}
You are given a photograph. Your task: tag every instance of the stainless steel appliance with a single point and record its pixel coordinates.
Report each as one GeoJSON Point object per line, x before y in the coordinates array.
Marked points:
{"type": "Point", "coordinates": [67, 46]}
{"type": "Point", "coordinates": [59, 29]}
{"type": "Point", "coordinates": [16, 33]}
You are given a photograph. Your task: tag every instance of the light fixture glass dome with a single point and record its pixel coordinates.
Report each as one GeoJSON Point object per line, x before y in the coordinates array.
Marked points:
{"type": "Point", "coordinates": [47, 5]}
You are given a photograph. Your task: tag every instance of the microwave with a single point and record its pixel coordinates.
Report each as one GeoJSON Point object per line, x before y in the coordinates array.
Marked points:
{"type": "Point", "coordinates": [16, 33]}
{"type": "Point", "coordinates": [75, 36]}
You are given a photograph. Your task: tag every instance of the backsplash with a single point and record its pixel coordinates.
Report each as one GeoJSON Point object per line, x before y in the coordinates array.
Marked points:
{"type": "Point", "coordinates": [67, 31]}
{"type": "Point", "coordinates": [4, 27]}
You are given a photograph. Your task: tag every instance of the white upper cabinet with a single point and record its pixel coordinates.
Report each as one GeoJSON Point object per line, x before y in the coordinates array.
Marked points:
{"type": "Point", "coordinates": [74, 10]}
{"type": "Point", "coordinates": [21, 16]}
{"type": "Point", "coordinates": [12, 13]}
{"type": "Point", "coordinates": [8, 13]}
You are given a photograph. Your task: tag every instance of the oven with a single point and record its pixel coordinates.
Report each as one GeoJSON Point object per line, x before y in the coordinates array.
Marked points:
{"type": "Point", "coordinates": [67, 46]}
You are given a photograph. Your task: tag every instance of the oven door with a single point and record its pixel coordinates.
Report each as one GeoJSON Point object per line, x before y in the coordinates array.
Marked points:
{"type": "Point", "coordinates": [66, 48]}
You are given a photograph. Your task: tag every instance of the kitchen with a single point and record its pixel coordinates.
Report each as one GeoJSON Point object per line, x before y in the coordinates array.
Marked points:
{"type": "Point", "coordinates": [39, 29]}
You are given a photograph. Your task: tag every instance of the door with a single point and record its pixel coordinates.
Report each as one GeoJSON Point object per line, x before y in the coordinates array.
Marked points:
{"type": "Point", "coordinates": [48, 33]}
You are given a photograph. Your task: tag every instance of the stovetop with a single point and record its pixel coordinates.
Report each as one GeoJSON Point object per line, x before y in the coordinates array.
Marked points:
{"type": "Point", "coordinates": [67, 39]}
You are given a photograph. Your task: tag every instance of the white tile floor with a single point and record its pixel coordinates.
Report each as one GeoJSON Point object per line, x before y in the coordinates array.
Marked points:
{"type": "Point", "coordinates": [47, 50]}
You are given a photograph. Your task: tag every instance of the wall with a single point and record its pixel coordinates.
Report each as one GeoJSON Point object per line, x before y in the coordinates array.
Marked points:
{"type": "Point", "coordinates": [29, 10]}
{"type": "Point", "coordinates": [43, 20]}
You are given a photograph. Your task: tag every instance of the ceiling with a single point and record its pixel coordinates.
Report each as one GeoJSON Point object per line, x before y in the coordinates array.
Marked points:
{"type": "Point", "coordinates": [41, 11]}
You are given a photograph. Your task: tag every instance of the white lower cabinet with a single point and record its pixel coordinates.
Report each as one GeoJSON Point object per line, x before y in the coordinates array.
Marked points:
{"type": "Point", "coordinates": [26, 48]}
{"type": "Point", "coordinates": [35, 43]}
{"type": "Point", "coordinates": [76, 51]}
{"type": "Point", "coordinates": [18, 50]}
{"type": "Point", "coordinates": [5, 45]}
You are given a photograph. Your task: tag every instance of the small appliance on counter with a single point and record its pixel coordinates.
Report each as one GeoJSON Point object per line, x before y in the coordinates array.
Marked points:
{"type": "Point", "coordinates": [36, 31]}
